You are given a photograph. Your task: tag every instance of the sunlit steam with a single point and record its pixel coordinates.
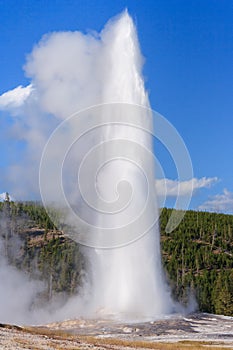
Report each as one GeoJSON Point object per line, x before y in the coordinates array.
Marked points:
{"type": "Point", "coordinates": [117, 214]}
{"type": "Point", "coordinates": [87, 131]}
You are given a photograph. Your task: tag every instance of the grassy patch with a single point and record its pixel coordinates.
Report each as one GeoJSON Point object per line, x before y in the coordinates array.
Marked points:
{"type": "Point", "coordinates": [181, 345]}
{"type": "Point", "coordinates": [114, 343]}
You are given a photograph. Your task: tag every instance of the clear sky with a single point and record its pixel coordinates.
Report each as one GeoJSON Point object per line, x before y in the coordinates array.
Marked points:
{"type": "Point", "coordinates": [188, 50]}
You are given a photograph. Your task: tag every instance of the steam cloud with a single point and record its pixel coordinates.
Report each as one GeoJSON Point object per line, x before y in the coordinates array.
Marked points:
{"type": "Point", "coordinates": [70, 71]}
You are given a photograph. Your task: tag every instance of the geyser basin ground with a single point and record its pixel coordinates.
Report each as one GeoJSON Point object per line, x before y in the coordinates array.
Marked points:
{"type": "Point", "coordinates": [172, 328]}
{"type": "Point", "coordinates": [195, 331]}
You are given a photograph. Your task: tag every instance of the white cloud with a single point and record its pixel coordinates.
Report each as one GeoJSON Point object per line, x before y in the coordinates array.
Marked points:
{"type": "Point", "coordinates": [173, 188]}
{"type": "Point", "coordinates": [3, 197]}
{"type": "Point", "coordinates": [30, 127]}
{"type": "Point", "coordinates": [219, 203]}
{"type": "Point", "coordinates": [15, 98]}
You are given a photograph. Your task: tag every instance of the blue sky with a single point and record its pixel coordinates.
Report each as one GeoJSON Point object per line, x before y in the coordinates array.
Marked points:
{"type": "Point", "coordinates": [188, 50]}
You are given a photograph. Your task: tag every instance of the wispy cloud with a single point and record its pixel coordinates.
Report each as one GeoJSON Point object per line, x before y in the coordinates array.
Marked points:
{"type": "Point", "coordinates": [174, 188]}
{"type": "Point", "coordinates": [219, 203]}
{"type": "Point", "coordinates": [3, 197]}
{"type": "Point", "coordinates": [15, 98]}
{"type": "Point", "coordinates": [23, 123]}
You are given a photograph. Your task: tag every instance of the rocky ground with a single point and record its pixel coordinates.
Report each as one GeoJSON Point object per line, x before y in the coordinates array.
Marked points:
{"type": "Point", "coordinates": [196, 331]}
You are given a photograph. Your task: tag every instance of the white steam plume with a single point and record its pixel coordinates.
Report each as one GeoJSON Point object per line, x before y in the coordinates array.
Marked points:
{"type": "Point", "coordinates": [70, 71]}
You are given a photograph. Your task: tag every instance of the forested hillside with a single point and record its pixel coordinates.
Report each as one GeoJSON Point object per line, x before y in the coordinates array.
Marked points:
{"type": "Point", "coordinates": [197, 256]}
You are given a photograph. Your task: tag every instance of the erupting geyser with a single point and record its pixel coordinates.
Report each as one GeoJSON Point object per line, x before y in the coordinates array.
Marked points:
{"type": "Point", "coordinates": [117, 212]}
{"type": "Point", "coordinates": [127, 280]}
